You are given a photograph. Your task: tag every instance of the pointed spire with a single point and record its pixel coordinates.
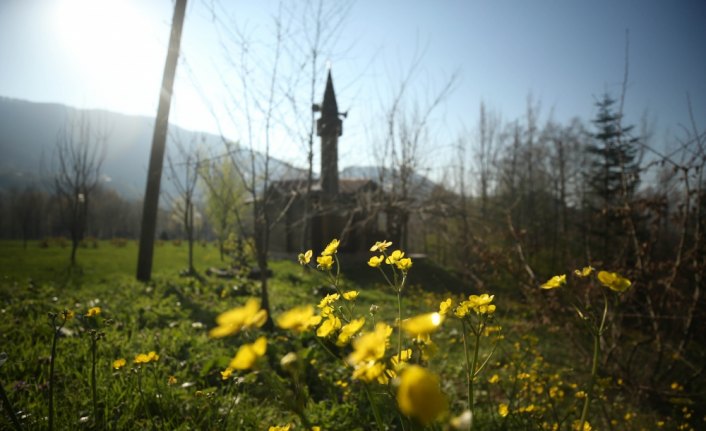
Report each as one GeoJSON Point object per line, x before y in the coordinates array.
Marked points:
{"type": "Point", "coordinates": [329, 107]}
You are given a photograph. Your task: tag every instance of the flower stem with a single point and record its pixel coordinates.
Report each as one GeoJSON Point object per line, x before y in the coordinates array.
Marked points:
{"type": "Point", "coordinates": [52, 359]}
{"type": "Point", "coordinates": [93, 378]}
{"type": "Point", "coordinates": [469, 374]}
{"type": "Point", "coordinates": [374, 406]}
{"type": "Point", "coordinates": [594, 365]}
{"type": "Point", "coordinates": [10, 410]}
{"type": "Point", "coordinates": [399, 324]}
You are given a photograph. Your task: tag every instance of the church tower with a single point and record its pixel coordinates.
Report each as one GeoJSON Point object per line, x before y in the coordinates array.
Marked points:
{"type": "Point", "coordinates": [329, 127]}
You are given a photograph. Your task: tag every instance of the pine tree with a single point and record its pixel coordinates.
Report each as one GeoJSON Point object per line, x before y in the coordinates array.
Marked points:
{"type": "Point", "coordinates": [613, 173]}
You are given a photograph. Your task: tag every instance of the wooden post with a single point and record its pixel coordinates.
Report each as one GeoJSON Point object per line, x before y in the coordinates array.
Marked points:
{"type": "Point", "coordinates": [159, 139]}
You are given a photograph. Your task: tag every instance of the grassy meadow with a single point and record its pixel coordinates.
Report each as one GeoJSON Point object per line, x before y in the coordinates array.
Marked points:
{"type": "Point", "coordinates": [129, 355]}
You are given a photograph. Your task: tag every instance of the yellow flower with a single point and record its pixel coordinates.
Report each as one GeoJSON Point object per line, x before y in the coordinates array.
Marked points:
{"type": "Point", "coordinates": [380, 245]}
{"type": "Point", "coordinates": [503, 410]}
{"type": "Point", "coordinates": [93, 312]}
{"type": "Point", "coordinates": [554, 282]}
{"type": "Point", "coordinates": [576, 426]}
{"type": "Point", "coordinates": [394, 257]}
{"type": "Point", "coordinates": [280, 428]}
{"type": "Point", "coordinates": [331, 248]}
{"type": "Point", "coordinates": [370, 371]}
{"type": "Point", "coordinates": [225, 374]}
{"type": "Point", "coordinates": [614, 281]}
{"type": "Point", "coordinates": [375, 261]}
{"type": "Point", "coordinates": [349, 330]}
{"type": "Point", "coordinates": [298, 319]}
{"type": "Point", "coordinates": [585, 272]}
{"type": "Point", "coordinates": [232, 321]}
{"type": "Point", "coordinates": [328, 300]}
{"type": "Point", "coordinates": [481, 304]}
{"type": "Point", "coordinates": [248, 354]}
{"type": "Point", "coordinates": [142, 358]}
{"type": "Point", "coordinates": [371, 345]}
{"type": "Point", "coordinates": [68, 314]}
{"type": "Point", "coordinates": [462, 310]}
{"type": "Point", "coordinates": [422, 324]}
{"type": "Point", "coordinates": [494, 379]}
{"type": "Point", "coordinates": [445, 306]}
{"type": "Point", "coordinates": [119, 363]}
{"type": "Point", "coordinates": [171, 380]}
{"type": "Point", "coordinates": [329, 325]}
{"type": "Point", "coordinates": [305, 258]}
{"type": "Point", "coordinates": [404, 264]}
{"type": "Point", "coordinates": [350, 295]}
{"type": "Point", "coordinates": [419, 395]}
{"type": "Point", "coordinates": [324, 262]}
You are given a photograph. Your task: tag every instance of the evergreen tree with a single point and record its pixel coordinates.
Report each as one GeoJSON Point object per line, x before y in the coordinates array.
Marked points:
{"type": "Point", "coordinates": [613, 173]}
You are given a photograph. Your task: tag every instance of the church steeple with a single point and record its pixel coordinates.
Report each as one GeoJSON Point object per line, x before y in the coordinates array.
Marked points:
{"type": "Point", "coordinates": [329, 127]}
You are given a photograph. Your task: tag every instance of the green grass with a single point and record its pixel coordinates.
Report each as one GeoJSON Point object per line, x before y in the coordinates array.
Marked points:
{"type": "Point", "coordinates": [172, 314]}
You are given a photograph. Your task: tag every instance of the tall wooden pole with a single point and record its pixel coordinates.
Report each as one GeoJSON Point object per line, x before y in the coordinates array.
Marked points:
{"type": "Point", "coordinates": [159, 139]}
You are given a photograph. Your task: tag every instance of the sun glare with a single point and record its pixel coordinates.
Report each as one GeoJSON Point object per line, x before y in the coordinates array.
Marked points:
{"type": "Point", "coordinates": [114, 49]}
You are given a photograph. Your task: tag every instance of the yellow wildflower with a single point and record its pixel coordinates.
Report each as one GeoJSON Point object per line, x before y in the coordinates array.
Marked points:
{"type": "Point", "coordinates": [280, 428]}
{"type": "Point", "coordinates": [349, 330]}
{"type": "Point", "coordinates": [324, 262]}
{"type": "Point", "coordinates": [232, 321]}
{"type": "Point", "coordinates": [371, 345]}
{"type": "Point", "coordinates": [350, 295]}
{"type": "Point", "coordinates": [305, 258]}
{"type": "Point", "coordinates": [370, 371]}
{"type": "Point", "coordinates": [445, 306]}
{"type": "Point", "coordinates": [119, 363]}
{"type": "Point", "coordinates": [248, 354]}
{"type": "Point", "coordinates": [171, 380]}
{"type": "Point", "coordinates": [68, 314]}
{"type": "Point", "coordinates": [503, 410]}
{"type": "Point", "coordinates": [576, 426]}
{"type": "Point", "coordinates": [328, 326]}
{"type": "Point", "coordinates": [419, 395]}
{"type": "Point", "coordinates": [585, 272]}
{"type": "Point", "coordinates": [494, 379]}
{"type": "Point", "coordinates": [328, 300]}
{"type": "Point", "coordinates": [399, 361]}
{"type": "Point", "coordinates": [94, 311]}
{"type": "Point", "coordinates": [380, 246]}
{"type": "Point", "coordinates": [404, 264]}
{"type": "Point", "coordinates": [375, 261]}
{"type": "Point", "coordinates": [422, 324]}
{"type": "Point", "coordinates": [554, 282]}
{"type": "Point", "coordinates": [298, 319]}
{"type": "Point", "coordinates": [394, 257]}
{"type": "Point", "coordinates": [142, 358]}
{"type": "Point", "coordinates": [481, 304]}
{"type": "Point", "coordinates": [614, 281]}
{"type": "Point", "coordinates": [225, 374]}
{"type": "Point", "coordinates": [331, 248]}
{"type": "Point", "coordinates": [462, 310]}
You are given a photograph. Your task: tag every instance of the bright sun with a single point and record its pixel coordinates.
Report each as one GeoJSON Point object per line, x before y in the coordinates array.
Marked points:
{"type": "Point", "coordinates": [114, 48]}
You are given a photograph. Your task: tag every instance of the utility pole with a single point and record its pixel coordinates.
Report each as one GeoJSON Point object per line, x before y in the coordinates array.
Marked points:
{"type": "Point", "coordinates": [159, 139]}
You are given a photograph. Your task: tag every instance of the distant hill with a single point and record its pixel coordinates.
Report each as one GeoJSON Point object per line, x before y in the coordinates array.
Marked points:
{"type": "Point", "coordinates": [29, 131]}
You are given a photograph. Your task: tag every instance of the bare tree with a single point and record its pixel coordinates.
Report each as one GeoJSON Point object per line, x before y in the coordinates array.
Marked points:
{"type": "Point", "coordinates": [407, 125]}
{"type": "Point", "coordinates": [225, 199]}
{"type": "Point", "coordinates": [78, 159]}
{"type": "Point", "coordinates": [184, 175]}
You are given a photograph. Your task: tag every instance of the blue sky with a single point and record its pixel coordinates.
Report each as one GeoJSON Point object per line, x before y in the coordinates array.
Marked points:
{"type": "Point", "coordinates": [110, 54]}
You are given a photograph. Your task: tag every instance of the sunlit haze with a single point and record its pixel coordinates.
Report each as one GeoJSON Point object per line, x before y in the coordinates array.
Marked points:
{"type": "Point", "coordinates": [109, 54]}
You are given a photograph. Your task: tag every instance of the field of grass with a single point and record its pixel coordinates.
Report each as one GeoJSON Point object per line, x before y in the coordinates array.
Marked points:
{"type": "Point", "coordinates": [535, 377]}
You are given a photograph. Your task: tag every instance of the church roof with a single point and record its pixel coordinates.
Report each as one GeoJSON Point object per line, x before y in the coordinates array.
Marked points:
{"type": "Point", "coordinates": [329, 107]}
